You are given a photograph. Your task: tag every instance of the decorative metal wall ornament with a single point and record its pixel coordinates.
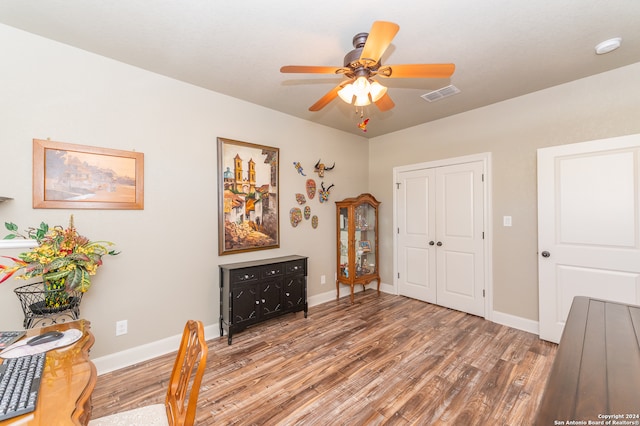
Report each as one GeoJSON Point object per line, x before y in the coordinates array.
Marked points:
{"type": "Point", "coordinates": [295, 216]}
{"type": "Point", "coordinates": [298, 167]}
{"type": "Point", "coordinates": [320, 168]}
{"type": "Point", "coordinates": [311, 188]}
{"type": "Point", "coordinates": [323, 194]}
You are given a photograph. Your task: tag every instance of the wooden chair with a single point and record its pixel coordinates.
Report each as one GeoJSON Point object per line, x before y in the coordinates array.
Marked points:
{"type": "Point", "coordinates": [179, 408]}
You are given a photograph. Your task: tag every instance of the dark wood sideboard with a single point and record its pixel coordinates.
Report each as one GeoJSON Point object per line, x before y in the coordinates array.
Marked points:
{"type": "Point", "coordinates": [595, 378]}
{"type": "Point", "coordinates": [255, 291]}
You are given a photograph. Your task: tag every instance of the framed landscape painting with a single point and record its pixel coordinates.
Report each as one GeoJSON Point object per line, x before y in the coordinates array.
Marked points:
{"type": "Point", "coordinates": [248, 200]}
{"type": "Point", "coordinates": [68, 176]}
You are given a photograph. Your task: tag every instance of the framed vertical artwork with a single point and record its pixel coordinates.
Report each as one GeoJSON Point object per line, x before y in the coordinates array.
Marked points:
{"type": "Point", "coordinates": [248, 199]}
{"type": "Point", "coordinates": [68, 176]}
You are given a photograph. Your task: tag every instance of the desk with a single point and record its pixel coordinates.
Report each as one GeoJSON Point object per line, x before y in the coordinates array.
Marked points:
{"type": "Point", "coordinates": [596, 371]}
{"type": "Point", "coordinates": [67, 382]}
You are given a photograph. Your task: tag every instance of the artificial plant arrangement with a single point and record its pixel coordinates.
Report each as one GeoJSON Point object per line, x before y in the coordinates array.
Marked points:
{"type": "Point", "coordinates": [63, 258]}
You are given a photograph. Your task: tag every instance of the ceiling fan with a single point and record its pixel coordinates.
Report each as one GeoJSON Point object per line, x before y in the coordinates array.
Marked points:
{"type": "Point", "coordinates": [363, 63]}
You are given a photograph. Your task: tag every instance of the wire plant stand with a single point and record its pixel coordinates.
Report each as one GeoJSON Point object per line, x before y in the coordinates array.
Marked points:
{"type": "Point", "coordinates": [34, 300]}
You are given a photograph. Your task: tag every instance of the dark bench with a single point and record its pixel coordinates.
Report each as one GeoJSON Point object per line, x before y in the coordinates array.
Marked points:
{"type": "Point", "coordinates": [596, 372]}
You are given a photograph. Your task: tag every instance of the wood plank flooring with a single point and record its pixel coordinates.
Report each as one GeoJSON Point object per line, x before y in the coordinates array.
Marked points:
{"type": "Point", "coordinates": [386, 360]}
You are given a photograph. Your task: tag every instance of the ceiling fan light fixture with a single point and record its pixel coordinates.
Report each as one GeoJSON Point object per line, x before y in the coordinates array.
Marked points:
{"type": "Point", "coordinates": [364, 91]}
{"type": "Point", "coordinates": [362, 100]}
{"type": "Point", "coordinates": [363, 63]}
{"type": "Point", "coordinates": [377, 91]}
{"type": "Point", "coordinates": [346, 93]}
{"type": "Point", "coordinates": [361, 87]}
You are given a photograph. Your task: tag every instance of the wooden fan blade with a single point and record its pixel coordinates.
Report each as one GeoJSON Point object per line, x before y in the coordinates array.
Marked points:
{"type": "Point", "coordinates": [323, 101]}
{"type": "Point", "coordinates": [417, 71]}
{"type": "Point", "coordinates": [378, 40]}
{"type": "Point", "coordinates": [385, 103]}
{"type": "Point", "coordinates": [309, 69]}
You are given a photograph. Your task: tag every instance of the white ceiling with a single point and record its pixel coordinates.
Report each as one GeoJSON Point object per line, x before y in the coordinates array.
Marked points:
{"type": "Point", "coordinates": [501, 48]}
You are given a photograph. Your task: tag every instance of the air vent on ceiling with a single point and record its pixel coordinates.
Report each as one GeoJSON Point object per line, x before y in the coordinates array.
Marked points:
{"type": "Point", "coordinates": [436, 95]}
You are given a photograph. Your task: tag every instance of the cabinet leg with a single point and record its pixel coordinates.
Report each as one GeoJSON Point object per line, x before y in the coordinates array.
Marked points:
{"type": "Point", "coordinates": [221, 329]}
{"type": "Point", "coordinates": [229, 339]}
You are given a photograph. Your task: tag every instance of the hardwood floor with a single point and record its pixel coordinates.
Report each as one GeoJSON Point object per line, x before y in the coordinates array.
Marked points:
{"type": "Point", "coordinates": [384, 360]}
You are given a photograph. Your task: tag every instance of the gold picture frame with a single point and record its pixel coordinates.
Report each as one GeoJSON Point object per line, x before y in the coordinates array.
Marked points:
{"type": "Point", "coordinates": [69, 176]}
{"type": "Point", "coordinates": [248, 198]}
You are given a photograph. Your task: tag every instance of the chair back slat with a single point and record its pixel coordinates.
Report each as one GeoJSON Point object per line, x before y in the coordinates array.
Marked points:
{"type": "Point", "coordinates": [186, 377]}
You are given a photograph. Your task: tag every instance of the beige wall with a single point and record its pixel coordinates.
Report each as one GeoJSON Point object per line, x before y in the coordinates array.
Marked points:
{"type": "Point", "coordinates": [167, 271]}
{"type": "Point", "coordinates": [601, 106]}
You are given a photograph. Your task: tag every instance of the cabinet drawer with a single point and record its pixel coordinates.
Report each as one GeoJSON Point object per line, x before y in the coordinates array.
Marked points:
{"type": "Point", "coordinates": [274, 270]}
{"type": "Point", "coordinates": [243, 275]}
{"type": "Point", "coordinates": [296, 267]}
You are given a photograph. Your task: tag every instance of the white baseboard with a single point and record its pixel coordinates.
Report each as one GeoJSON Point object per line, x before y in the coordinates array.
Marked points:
{"type": "Point", "coordinates": [122, 359]}
{"type": "Point", "coordinates": [513, 321]}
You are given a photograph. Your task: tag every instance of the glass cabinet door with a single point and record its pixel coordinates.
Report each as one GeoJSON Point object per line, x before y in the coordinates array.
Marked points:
{"type": "Point", "coordinates": [343, 243]}
{"type": "Point", "coordinates": [365, 238]}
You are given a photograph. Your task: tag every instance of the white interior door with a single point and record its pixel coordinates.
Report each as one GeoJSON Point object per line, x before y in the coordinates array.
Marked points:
{"type": "Point", "coordinates": [416, 224]}
{"type": "Point", "coordinates": [588, 226]}
{"type": "Point", "coordinates": [459, 229]}
{"type": "Point", "coordinates": [440, 250]}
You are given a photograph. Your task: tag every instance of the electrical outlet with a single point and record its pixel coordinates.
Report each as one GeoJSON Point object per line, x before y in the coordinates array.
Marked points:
{"type": "Point", "coordinates": [323, 279]}
{"type": "Point", "coordinates": [121, 327]}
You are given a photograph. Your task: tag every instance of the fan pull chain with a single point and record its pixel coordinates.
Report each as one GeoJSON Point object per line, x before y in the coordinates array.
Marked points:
{"type": "Point", "coordinates": [362, 122]}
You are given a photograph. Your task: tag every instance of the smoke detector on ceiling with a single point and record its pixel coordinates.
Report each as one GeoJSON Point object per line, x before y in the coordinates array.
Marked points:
{"type": "Point", "coordinates": [445, 92]}
{"type": "Point", "coordinates": [608, 45]}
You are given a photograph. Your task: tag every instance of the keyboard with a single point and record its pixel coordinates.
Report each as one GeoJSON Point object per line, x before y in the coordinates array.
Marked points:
{"type": "Point", "coordinates": [20, 384]}
{"type": "Point", "coordinates": [8, 337]}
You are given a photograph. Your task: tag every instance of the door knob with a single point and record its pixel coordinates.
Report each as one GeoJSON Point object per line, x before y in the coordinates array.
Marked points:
{"type": "Point", "coordinates": [545, 254]}
{"type": "Point", "coordinates": [439, 243]}
{"type": "Point", "coordinates": [431, 243]}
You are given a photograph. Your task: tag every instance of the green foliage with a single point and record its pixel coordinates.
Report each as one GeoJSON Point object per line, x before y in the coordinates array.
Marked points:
{"type": "Point", "coordinates": [61, 255]}
{"type": "Point", "coordinates": [31, 233]}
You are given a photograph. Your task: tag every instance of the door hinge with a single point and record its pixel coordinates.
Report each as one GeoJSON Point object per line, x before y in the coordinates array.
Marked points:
{"type": "Point", "coordinates": [483, 235]}
{"type": "Point", "coordinates": [397, 185]}
{"type": "Point", "coordinates": [398, 275]}
{"type": "Point", "coordinates": [483, 177]}
{"type": "Point", "coordinates": [398, 230]}
{"type": "Point", "coordinates": [483, 294]}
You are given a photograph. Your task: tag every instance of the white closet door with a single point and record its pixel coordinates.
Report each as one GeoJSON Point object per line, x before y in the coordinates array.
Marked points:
{"type": "Point", "coordinates": [459, 246]}
{"type": "Point", "coordinates": [416, 229]}
{"type": "Point", "coordinates": [440, 251]}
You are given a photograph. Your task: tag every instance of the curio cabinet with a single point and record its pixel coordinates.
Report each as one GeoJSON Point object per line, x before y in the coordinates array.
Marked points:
{"type": "Point", "coordinates": [357, 242]}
